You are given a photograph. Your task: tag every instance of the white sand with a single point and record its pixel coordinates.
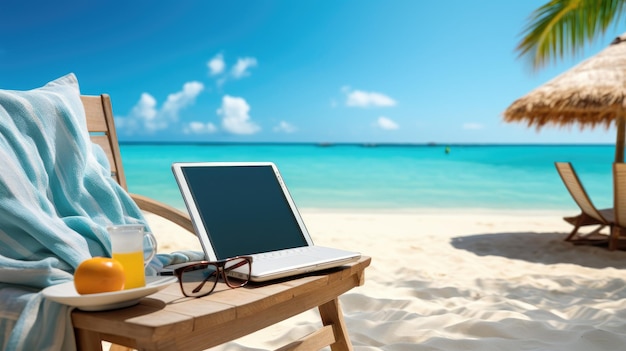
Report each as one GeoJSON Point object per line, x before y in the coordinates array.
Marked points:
{"type": "Point", "coordinates": [461, 280]}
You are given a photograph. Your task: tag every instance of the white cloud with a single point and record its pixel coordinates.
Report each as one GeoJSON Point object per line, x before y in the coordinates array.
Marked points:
{"type": "Point", "coordinates": [235, 117]}
{"type": "Point", "coordinates": [200, 128]}
{"type": "Point", "coordinates": [176, 101]}
{"type": "Point", "coordinates": [145, 108]}
{"type": "Point", "coordinates": [386, 123]}
{"type": "Point", "coordinates": [285, 127]}
{"type": "Point", "coordinates": [219, 71]}
{"type": "Point", "coordinates": [473, 126]}
{"type": "Point", "coordinates": [216, 65]}
{"type": "Point", "coordinates": [359, 98]}
{"type": "Point", "coordinates": [240, 69]}
{"type": "Point", "coordinates": [145, 116]}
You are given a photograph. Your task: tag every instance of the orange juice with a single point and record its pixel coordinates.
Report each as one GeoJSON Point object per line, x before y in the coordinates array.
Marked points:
{"type": "Point", "coordinates": [133, 268]}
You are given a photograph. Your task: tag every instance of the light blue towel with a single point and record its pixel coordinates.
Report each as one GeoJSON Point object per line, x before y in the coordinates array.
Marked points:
{"type": "Point", "coordinates": [56, 199]}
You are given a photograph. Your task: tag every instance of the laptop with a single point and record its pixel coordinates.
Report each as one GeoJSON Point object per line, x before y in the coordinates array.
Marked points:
{"type": "Point", "coordinates": [244, 208]}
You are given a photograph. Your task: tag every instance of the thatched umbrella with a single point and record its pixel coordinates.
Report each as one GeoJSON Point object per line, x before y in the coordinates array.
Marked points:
{"type": "Point", "coordinates": [590, 94]}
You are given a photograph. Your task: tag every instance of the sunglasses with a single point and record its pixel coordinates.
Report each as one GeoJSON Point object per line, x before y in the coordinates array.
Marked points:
{"type": "Point", "coordinates": [200, 278]}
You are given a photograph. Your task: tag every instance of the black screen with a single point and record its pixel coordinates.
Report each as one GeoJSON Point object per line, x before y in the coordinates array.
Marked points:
{"type": "Point", "coordinates": [243, 209]}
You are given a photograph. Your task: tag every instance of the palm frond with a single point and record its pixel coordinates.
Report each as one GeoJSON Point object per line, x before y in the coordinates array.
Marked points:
{"type": "Point", "coordinates": [563, 27]}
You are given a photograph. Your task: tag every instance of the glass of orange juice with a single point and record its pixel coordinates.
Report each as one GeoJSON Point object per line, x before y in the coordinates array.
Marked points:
{"type": "Point", "coordinates": [127, 242]}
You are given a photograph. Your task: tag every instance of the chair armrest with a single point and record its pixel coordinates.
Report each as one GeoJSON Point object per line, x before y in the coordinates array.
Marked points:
{"type": "Point", "coordinates": [168, 212]}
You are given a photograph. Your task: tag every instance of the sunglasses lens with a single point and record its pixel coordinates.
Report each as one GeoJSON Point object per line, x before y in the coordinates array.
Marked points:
{"type": "Point", "coordinates": [237, 272]}
{"type": "Point", "coordinates": [199, 280]}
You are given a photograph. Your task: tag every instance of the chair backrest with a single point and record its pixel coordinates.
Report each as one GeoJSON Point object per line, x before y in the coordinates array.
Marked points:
{"type": "Point", "coordinates": [102, 131]}
{"type": "Point", "coordinates": [619, 193]}
{"type": "Point", "coordinates": [577, 191]}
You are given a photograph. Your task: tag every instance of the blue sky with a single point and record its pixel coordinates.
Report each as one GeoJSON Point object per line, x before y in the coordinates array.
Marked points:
{"type": "Point", "coordinates": [407, 71]}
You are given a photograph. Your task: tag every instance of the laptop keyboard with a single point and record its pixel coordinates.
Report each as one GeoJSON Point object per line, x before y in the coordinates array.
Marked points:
{"type": "Point", "coordinates": [283, 253]}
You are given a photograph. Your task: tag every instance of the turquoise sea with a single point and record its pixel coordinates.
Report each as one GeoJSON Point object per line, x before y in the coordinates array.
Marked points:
{"type": "Point", "coordinates": [351, 176]}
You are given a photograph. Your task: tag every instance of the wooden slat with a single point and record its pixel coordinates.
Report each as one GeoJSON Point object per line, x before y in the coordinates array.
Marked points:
{"type": "Point", "coordinates": [96, 120]}
{"type": "Point", "coordinates": [619, 193]}
{"type": "Point", "coordinates": [318, 339]}
{"type": "Point", "coordinates": [107, 110]}
{"type": "Point", "coordinates": [100, 120]}
{"type": "Point", "coordinates": [331, 315]}
{"type": "Point", "coordinates": [619, 204]}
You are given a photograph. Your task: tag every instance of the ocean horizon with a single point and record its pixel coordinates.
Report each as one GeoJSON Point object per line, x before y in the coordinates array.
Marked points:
{"type": "Point", "coordinates": [392, 176]}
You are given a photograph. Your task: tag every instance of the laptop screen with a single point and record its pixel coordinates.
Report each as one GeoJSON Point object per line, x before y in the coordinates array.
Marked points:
{"type": "Point", "coordinates": [243, 209]}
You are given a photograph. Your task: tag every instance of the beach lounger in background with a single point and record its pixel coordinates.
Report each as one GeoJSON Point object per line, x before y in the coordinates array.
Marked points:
{"type": "Point", "coordinates": [619, 202]}
{"type": "Point", "coordinates": [590, 215]}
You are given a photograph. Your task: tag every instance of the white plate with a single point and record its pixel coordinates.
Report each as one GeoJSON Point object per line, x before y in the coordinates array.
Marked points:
{"type": "Point", "coordinates": [66, 294]}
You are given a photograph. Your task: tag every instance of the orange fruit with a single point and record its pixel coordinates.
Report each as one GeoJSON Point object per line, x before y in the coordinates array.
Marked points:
{"type": "Point", "coordinates": [98, 275]}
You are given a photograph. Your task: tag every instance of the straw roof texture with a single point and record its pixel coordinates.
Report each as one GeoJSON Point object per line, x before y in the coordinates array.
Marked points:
{"type": "Point", "coordinates": [590, 94]}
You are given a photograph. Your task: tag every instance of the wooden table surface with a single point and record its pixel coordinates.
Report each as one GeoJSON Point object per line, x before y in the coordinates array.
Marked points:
{"type": "Point", "coordinates": [169, 321]}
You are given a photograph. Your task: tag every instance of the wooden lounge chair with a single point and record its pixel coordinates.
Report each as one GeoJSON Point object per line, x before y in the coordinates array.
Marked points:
{"type": "Point", "coordinates": [619, 202]}
{"type": "Point", "coordinates": [590, 215]}
{"type": "Point", "coordinates": [217, 318]}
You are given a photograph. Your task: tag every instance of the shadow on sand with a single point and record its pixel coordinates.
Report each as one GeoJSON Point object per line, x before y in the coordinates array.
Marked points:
{"type": "Point", "coordinates": [545, 248]}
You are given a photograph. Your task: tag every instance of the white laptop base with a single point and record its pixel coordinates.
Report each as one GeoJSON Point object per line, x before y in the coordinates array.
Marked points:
{"type": "Point", "coordinates": [242, 208]}
{"type": "Point", "coordinates": [280, 264]}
